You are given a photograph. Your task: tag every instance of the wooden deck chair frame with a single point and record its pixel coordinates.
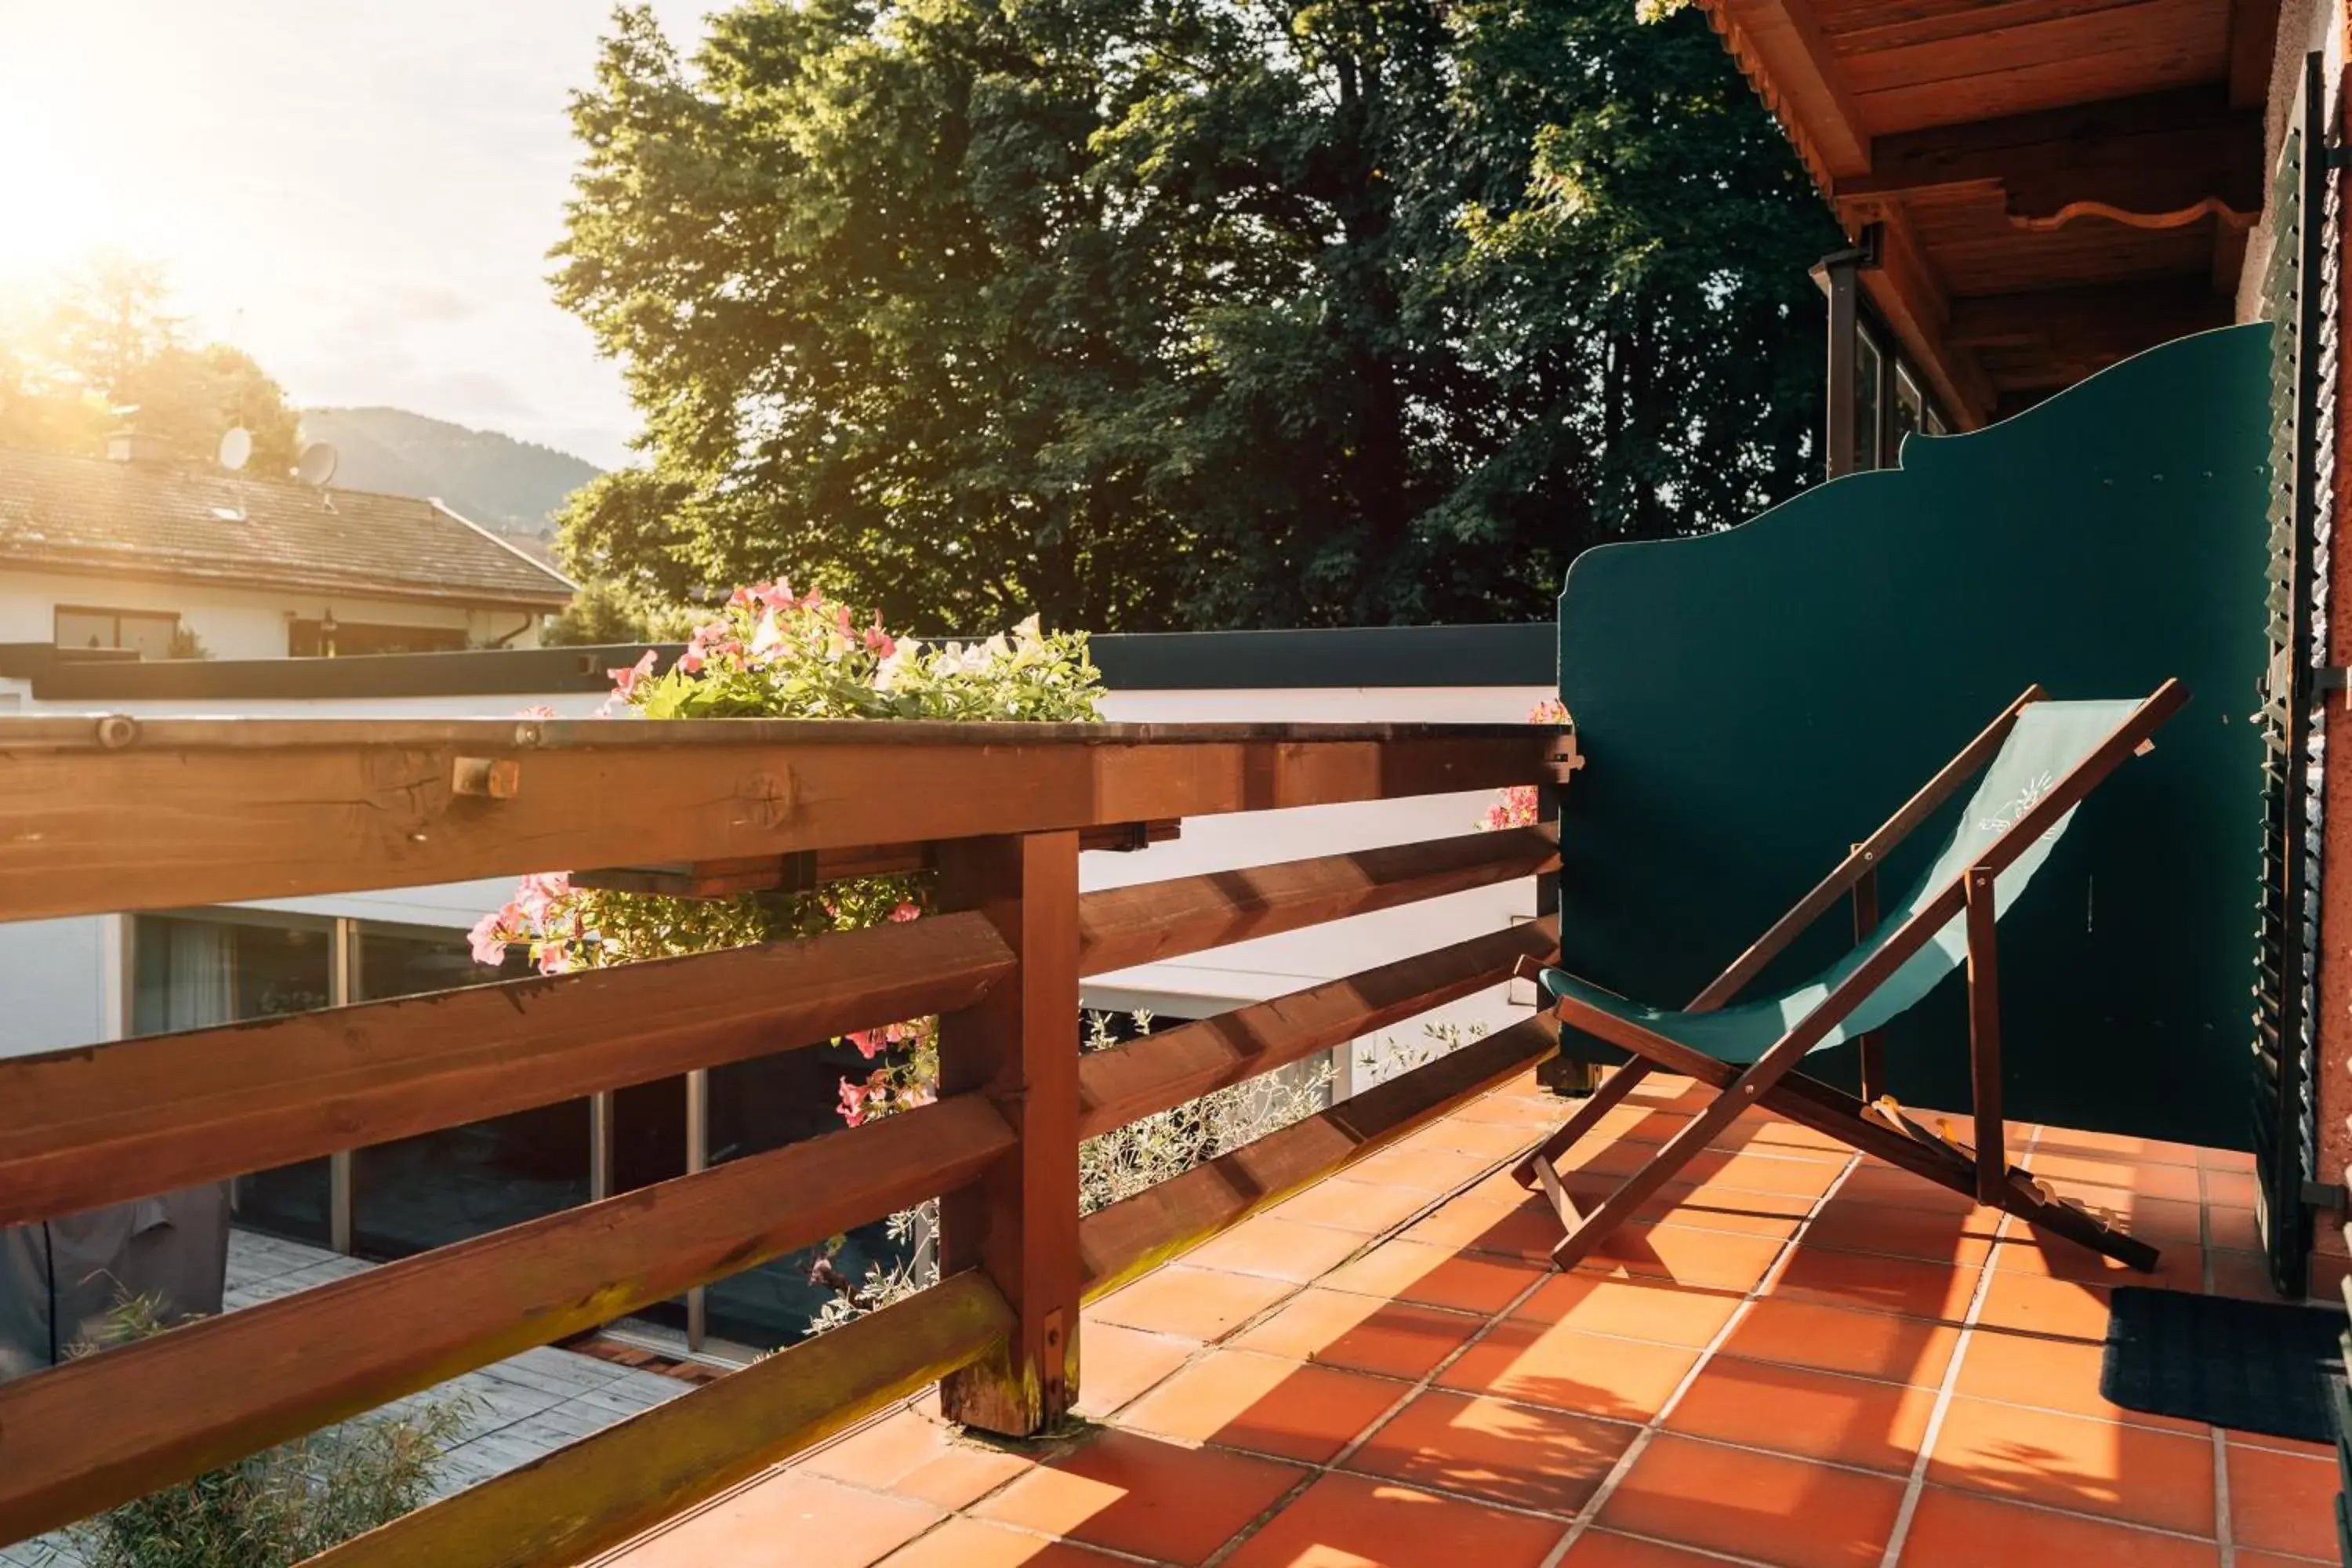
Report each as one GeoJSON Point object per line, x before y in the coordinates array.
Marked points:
{"type": "Point", "coordinates": [1773, 1083]}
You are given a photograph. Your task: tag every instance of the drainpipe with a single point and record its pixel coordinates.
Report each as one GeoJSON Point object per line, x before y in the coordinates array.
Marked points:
{"type": "Point", "coordinates": [528, 622]}
{"type": "Point", "coordinates": [1837, 275]}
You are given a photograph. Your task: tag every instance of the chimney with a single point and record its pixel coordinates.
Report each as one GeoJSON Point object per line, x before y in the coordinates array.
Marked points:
{"type": "Point", "coordinates": [136, 446]}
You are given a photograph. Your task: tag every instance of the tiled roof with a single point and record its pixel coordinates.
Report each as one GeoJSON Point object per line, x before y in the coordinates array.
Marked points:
{"type": "Point", "coordinates": [187, 521]}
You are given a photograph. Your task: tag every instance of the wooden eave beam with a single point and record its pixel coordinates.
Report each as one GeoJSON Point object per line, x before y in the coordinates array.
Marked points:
{"type": "Point", "coordinates": [2253, 40]}
{"type": "Point", "coordinates": [2159, 160]}
{"type": "Point", "coordinates": [1787, 59]}
{"type": "Point", "coordinates": [2083, 329]}
{"type": "Point", "coordinates": [1911, 299]}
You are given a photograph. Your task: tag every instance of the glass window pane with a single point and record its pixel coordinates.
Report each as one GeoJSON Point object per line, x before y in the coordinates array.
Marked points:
{"type": "Point", "coordinates": [1865, 402]}
{"type": "Point", "coordinates": [85, 628]}
{"type": "Point", "coordinates": [149, 636]}
{"type": "Point", "coordinates": [458, 1182]}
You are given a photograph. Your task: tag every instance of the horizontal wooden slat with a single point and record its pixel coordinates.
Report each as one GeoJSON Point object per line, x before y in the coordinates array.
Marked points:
{"type": "Point", "coordinates": [605, 1489]}
{"type": "Point", "coordinates": [107, 1122]}
{"type": "Point", "coordinates": [1153, 1073]}
{"type": "Point", "coordinates": [215, 811]}
{"type": "Point", "coordinates": [1119, 1242]}
{"type": "Point", "coordinates": [1121, 927]}
{"type": "Point", "coordinates": [811, 869]}
{"type": "Point", "coordinates": [96, 1432]}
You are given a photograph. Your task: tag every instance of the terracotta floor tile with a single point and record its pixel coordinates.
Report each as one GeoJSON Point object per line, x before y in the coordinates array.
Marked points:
{"type": "Point", "coordinates": [1638, 1308]}
{"type": "Point", "coordinates": [2226, 1160]}
{"type": "Point", "coordinates": [2177, 1183]}
{"type": "Point", "coordinates": [2179, 1265]}
{"type": "Point", "coordinates": [2234, 1189]}
{"type": "Point", "coordinates": [1489, 1141]}
{"type": "Point", "coordinates": [786, 1517]}
{"type": "Point", "coordinates": [1873, 1183]}
{"type": "Point", "coordinates": [1266, 1403]}
{"type": "Point", "coordinates": [1527, 1233]}
{"type": "Point", "coordinates": [1795, 1171]}
{"type": "Point", "coordinates": [1952, 1239]}
{"type": "Point", "coordinates": [2283, 1502]}
{"type": "Point", "coordinates": [1960, 1529]}
{"type": "Point", "coordinates": [1832, 1339]}
{"type": "Point", "coordinates": [1554, 1365]}
{"type": "Point", "coordinates": [1192, 1303]}
{"type": "Point", "coordinates": [2246, 1275]}
{"type": "Point", "coordinates": [1545, 1111]}
{"type": "Point", "coordinates": [1117, 1363]}
{"type": "Point", "coordinates": [1364, 1333]}
{"type": "Point", "coordinates": [2235, 1228]}
{"type": "Point", "coordinates": [2283, 1444]}
{"type": "Point", "coordinates": [1701, 1259]}
{"type": "Point", "coordinates": [1862, 1282]}
{"type": "Point", "coordinates": [1435, 1276]}
{"type": "Point", "coordinates": [2076, 1462]}
{"type": "Point", "coordinates": [2050, 1374]}
{"type": "Point", "coordinates": [1516, 1454]}
{"type": "Point", "coordinates": [1276, 1249]}
{"type": "Point", "coordinates": [1347, 1522]}
{"type": "Point", "coordinates": [2272, 1560]}
{"type": "Point", "coordinates": [1431, 1170]}
{"type": "Point", "coordinates": [915, 1457]}
{"type": "Point", "coordinates": [1365, 1207]}
{"type": "Point", "coordinates": [1760, 1506]}
{"type": "Point", "coordinates": [968, 1543]}
{"type": "Point", "coordinates": [1605, 1549]}
{"type": "Point", "coordinates": [2039, 1306]}
{"type": "Point", "coordinates": [2117, 1146]}
{"type": "Point", "coordinates": [1811, 1415]}
{"type": "Point", "coordinates": [1144, 1495]}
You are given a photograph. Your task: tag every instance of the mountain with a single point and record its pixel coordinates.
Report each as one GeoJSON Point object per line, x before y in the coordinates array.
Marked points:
{"type": "Point", "coordinates": [509, 487]}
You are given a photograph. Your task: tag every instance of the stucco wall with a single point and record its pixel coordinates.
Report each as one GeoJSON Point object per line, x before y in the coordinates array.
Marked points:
{"type": "Point", "coordinates": [232, 623]}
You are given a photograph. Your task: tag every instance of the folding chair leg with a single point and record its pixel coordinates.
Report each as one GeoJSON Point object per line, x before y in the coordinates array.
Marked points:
{"type": "Point", "coordinates": [1612, 1089]}
{"type": "Point", "coordinates": [1747, 1090]}
{"type": "Point", "coordinates": [1984, 1035]}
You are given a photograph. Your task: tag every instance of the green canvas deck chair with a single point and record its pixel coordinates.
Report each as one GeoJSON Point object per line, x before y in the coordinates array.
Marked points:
{"type": "Point", "coordinates": [2038, 759]}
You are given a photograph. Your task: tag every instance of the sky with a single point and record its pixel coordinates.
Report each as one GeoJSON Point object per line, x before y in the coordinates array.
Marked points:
{"type": "Point", "coordinates": [361, 194]}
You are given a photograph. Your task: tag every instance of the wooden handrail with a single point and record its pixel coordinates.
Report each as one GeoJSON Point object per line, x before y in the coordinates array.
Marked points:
{"type": "Point", "coordinates": [113, 1427]}
{"type": "Point", "coordinates": [601, 1490]}
{"type": "Point", "coordinates": [1159, 1071]}
{"type": "Point", "coordinates": [219, 811]}
{"type": "Point", "coordinates": [104, 1123]}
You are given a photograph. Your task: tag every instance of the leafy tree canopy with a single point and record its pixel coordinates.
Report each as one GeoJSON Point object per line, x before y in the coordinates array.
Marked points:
{"type": "Point", "coordinates": [1185, 313]}
{"type": "Point", "coordinates": [106, 341]}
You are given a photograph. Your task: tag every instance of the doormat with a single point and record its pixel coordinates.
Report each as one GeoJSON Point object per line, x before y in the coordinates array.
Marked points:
{"type": "Point", "coordinates": [2251, 1366]}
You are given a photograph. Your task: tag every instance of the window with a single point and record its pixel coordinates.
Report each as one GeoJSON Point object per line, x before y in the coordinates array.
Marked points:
{"type": "Point", "coordinates": [149, 634]}
{"type": "Point", "coordinates": [309, 639]}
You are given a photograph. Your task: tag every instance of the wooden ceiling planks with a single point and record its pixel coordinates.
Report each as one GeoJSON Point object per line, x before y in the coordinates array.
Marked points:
{"type": "Point", "coordinates": [2039, 150]}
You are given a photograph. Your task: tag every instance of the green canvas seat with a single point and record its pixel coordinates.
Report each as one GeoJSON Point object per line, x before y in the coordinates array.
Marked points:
{"type": "Point", "coordinates": [2033, 765]}
{"type": "Point", "coordinates": [2048, 741]}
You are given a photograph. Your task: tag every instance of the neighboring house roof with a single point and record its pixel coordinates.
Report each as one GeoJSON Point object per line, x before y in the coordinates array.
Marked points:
{"type": "Point", "coordinates": [186, 522]}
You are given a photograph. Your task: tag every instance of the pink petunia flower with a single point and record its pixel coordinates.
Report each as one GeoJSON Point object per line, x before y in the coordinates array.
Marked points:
{"type": "Point", "coordinates": [907, 911]}
{"type": "Point", "coordinates": [488, 939]}
{"type": "Point", "coordinates": [624, 681]}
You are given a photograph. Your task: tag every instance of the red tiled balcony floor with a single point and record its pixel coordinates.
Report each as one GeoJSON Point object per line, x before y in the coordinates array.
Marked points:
{"type": "Point", "coordinates": [1804, 1359]}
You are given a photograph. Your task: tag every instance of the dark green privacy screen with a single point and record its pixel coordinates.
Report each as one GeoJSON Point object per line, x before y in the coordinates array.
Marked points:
{"type": "Point", "coordinates": [1751, 702]}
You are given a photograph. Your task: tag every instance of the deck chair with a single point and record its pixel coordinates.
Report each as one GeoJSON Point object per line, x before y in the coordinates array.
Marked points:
{"type": "Point", "coordinates": [2038, 759]}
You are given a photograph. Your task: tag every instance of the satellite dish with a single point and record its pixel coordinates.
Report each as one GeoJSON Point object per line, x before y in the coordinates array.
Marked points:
{"type": "Point", "coordinates": [236, 449]}
{"type": "Point", "coordinates": [317, 465]}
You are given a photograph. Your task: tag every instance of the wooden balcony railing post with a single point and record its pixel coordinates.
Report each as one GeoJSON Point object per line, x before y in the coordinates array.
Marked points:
{"type": "Point", "coordinates": [1019, 1045]}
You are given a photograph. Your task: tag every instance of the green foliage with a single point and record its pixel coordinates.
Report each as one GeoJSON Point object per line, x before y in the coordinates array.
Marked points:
{"type": "Point", "coordinates": [105, 341]}
{"type": "Point", "coordinates": [604, 611]}
{"type": "Point", "coordinates": [279, 1505]}
{"type": "Point", "coordinates": [776, 654]}
{"type": "Point", "coordinates": [1204, 312]}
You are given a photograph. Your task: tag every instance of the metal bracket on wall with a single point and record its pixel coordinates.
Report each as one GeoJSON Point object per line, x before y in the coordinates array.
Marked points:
{"type": "Point", "coordinates": [2327, 1196]}
{"type": "Point", "coordinates": [2334, 678]}
{"type": "Point", "coordinates": [2339, 157]}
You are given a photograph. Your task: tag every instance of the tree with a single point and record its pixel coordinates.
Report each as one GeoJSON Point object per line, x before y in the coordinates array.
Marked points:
{"type": "Point", "coordinates": [1192, 313]}
{"type": "Point", "coordinates": [108, 341]}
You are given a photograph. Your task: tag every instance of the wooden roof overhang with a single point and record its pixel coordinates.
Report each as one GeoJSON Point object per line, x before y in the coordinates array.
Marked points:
{"type": "Point", "coordinates": [2058, 183]}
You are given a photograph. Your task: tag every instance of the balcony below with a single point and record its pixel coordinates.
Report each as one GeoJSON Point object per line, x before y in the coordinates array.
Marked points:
{"type": "Point", "coordinates": [1808, 1358]}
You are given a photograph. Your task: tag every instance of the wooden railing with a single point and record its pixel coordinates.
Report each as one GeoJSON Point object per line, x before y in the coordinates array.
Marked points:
{"type": "Point", "coordinates": [106, 815]}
